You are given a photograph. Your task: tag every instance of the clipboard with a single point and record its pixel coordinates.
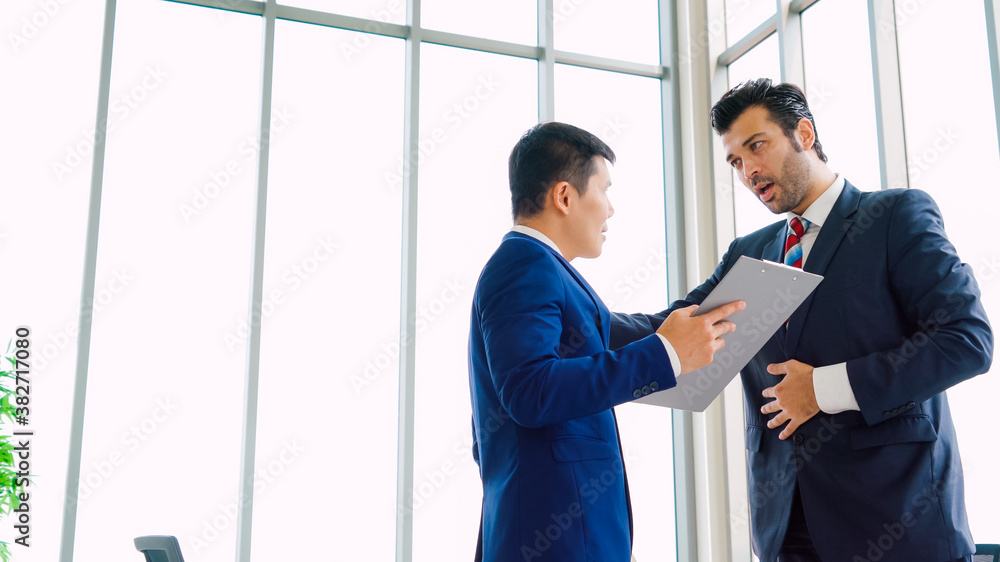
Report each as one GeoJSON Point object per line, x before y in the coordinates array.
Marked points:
{"type": "Point", "coordinates": [772, 292]}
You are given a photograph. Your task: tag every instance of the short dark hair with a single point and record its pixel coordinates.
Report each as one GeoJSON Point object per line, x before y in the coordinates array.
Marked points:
{"type": "Point", "coordinates": [785, 103]}
{"type": "Point", "coordinates": [547, 154]}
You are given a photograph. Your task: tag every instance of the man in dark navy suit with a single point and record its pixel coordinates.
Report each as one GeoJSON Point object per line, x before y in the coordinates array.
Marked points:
{"type": "Point", "coordinates": [542, 378]}
{"type": "Point", "coordinates": [852, 451]}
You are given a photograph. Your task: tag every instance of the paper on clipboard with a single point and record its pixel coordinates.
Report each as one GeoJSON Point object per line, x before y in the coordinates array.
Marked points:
{"type": "Point", "coordinates": [772, 292]}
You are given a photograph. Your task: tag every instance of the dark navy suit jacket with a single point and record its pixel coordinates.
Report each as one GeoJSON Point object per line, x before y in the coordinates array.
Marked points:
{"type": "Point", "coordinates": [900, 308]}
{"type": "Point", "coordinates": [543, 383]}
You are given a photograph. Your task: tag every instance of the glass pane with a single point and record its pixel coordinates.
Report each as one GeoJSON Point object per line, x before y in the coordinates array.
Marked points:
{"type": "Point", "coordinates": [474, 107]}
{"type": "Point", "coordinates": [617, 29]}
{"type": "Point", "coordinates": [840, 90]}
{"type": "Point", "coordinates": [631, 273]}
{"type": "Point", "coordinates": [161, 441]}
{"type": "Point", "coordinates": [513, 20]}
{"type": "Point", "coordinates": [952, 153]}
{"type": "Point", "coordinates": [743, 16]}
{"type": "Point", "coordinates": [45, 165]}
{"type": "Point", "coordinates": [388, 11]}
{"type": "Point", "coordinates": [330, 340]}
{"type": "Point", "coordinates": [760, 62]}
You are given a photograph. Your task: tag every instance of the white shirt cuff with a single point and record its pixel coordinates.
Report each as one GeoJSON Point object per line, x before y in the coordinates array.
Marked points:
{"type": "Point", "coordinates": [833, 389]}
{"type": "Point", "coordinates": [675, 361]}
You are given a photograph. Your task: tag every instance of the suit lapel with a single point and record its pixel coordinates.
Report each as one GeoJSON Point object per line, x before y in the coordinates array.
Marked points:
{"type": "Point", "coordinates": [838, 222]}
{"type": "Point", "coordinates": [603, 315]}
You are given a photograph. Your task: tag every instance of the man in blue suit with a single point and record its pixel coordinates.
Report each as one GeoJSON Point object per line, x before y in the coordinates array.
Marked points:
{"type": "Point", "coordinates": [542, 378]}
{"type": "Point", "coordinates": [851, 448]}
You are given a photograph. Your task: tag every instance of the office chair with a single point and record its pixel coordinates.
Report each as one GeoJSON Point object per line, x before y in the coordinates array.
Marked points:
{"type": "Point", "coordinates": [159, 548]}
{"type": "Point", "coordinates": [987, 553]}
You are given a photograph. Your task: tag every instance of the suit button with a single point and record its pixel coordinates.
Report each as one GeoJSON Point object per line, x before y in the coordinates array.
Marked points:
{"type": "Point", "coordinates": [637, 393]}
{"type": "Point", "coordinates": [797, 439]}
{"type": "Point", "coordinates": [887, 414]}
{"type": "Point", "coordinates": [645, 390]}
{"type": "Point", "coordinates": [654, 386]}
{"type": "Point", "coordinates": [910, 405]}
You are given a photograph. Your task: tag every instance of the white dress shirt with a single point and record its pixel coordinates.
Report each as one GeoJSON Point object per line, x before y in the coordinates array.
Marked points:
{"type": "Point", "coordinates": [675, 361]}
{"type": "Point", "coordinates": [830, 383]}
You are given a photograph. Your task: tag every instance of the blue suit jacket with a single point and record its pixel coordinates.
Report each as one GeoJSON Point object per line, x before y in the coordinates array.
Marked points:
{"type": "Point", "coordinates": [543, 383]}
{"type": "Point", "coordinates": [900, 308]}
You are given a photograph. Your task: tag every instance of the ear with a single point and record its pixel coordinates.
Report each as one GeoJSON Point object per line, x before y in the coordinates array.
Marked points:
{"type": "Point", "coordinates": [560, 196]}
{"type": "Point", "coordinates": [806, 134]}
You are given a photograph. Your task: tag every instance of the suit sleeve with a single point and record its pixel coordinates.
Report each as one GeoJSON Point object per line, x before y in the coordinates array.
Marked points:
{"type": "Point", "coordinates": [627, 328]}
{"type": "Point", "coordinates": [538, 379]}
{"type": "Point", "coordinates": [952, 340]}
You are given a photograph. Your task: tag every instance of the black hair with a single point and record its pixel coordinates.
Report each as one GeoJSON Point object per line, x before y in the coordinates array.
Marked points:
{"type": "Point", "coordinates": [547, 154]}
{"type": "Point", "coordinates": [785, 103]}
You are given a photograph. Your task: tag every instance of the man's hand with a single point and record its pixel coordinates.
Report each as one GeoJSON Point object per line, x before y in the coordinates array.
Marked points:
{"type": "Point", "coordinates": [697, 338]}
{"type": "Point", "coordinates": [794, 397]}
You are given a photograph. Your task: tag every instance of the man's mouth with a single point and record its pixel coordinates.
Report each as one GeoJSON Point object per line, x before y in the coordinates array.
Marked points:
{"type": "Point", "coordinates": [765, 191]}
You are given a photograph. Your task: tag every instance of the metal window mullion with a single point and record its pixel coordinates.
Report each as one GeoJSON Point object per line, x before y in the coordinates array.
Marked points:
{"type": "Point", "coordinates": [408, 292]}
{"type": "Point", "coordinates": [68, 535]}
{"type": "Point", "coordinates": [252, 7]}
{"type": "Point", "coordinates": [790, 43]}
{"type": "Point", "coordinates": [600, 63]}
{"type": "Point", "coordinates": [244, 520]}
{"type": "Point", "coordinates": [992, 31]}
{"type": "Point", "coordinates": [888, 94]}
{"type": "Point", "coordinates": [685, 528]}
{"type": "Point", "coordinates": [546, 61]}
{"type": "Point", "coordinates": [749, 41]}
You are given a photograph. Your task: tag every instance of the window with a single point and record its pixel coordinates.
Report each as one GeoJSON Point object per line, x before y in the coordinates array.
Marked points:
{"type": "Point", "coordinates": [951, 149]}
{"type": "Point", "coordinates": [167, 375]}
{"type": "Point", "coordinates": [162, 425]}
{"type": "Point", "coordinates": [631, 273]}
{"type": "Point", "coordinates": [468, 130]}
{"type": "Point", "coordinates": [945, 154]}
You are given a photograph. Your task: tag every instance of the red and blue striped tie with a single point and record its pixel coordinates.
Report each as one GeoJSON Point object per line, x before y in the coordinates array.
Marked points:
{"type": "Point", "coordinates": [793, 244]}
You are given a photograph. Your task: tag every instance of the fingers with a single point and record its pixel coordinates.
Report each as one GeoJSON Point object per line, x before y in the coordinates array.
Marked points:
{"type": "Point", "coordinates": [769, 392]}
{"type": "Point", "coordinates": [723, 328]}
{"type": "Point", "coordinates": [725, 310]}
{"type": "Point", "coordinates": [789, 430]}
{"type": "Point", "coordinates": [778, 368]}
{"type": "Point", "coordinates": [685, 312]}
{"type": "Point", "coordinates": [770, 407]}
{"type": "Point", "coordinates": [778, 420]}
